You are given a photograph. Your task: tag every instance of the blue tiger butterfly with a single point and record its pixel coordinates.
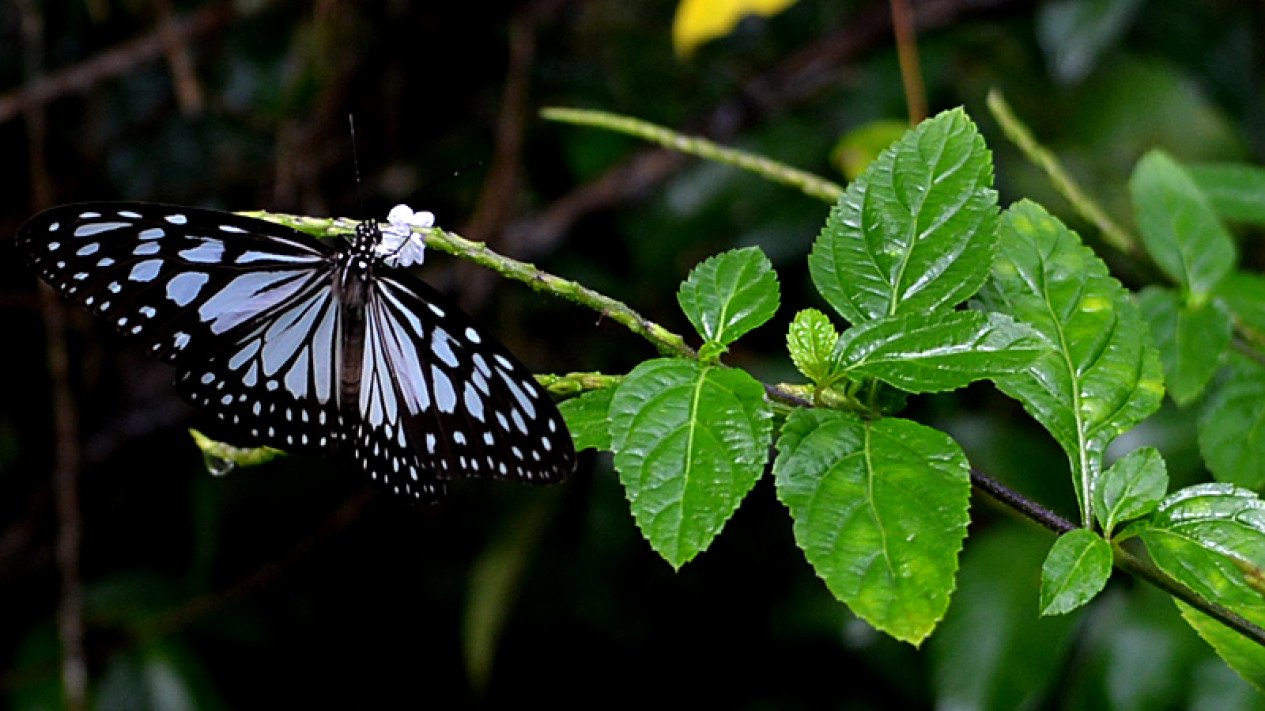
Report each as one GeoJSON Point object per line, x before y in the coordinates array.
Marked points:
{"type": "Point", "coordinates": [307, 345]}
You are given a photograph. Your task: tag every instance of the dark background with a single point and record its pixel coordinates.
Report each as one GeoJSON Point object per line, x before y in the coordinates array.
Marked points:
{"type": "Point", "coordinates": [295, 584]}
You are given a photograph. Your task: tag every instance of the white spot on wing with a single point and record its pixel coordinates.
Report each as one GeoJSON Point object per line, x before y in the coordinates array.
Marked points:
{"type": "Point", "coordinates": [97, 228]}
{"type": "Point", "coordinates": [146, 271]}
{"type": "Point", "coordinates": [184, 287]}
{"type": "Point", "coordinates": [445, 396]}
{"type": "Point", "coordinates": [210, 251]}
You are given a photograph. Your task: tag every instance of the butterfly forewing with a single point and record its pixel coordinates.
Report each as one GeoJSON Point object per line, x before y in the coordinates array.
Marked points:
{"type": "Point", "coordinates": [154, 271]}
{"type": "Point", "coordinates": [306, 346]}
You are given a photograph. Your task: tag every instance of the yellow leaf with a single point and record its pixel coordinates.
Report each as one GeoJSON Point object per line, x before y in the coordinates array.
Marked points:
{"type": "Point", "coordinates": [699, 21]}
{"type": "Point", "coordinates": [861, 145]}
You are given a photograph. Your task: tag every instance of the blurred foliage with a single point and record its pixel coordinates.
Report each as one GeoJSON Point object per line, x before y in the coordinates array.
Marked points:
{"type": "Point", "coordinates": [289, 584]}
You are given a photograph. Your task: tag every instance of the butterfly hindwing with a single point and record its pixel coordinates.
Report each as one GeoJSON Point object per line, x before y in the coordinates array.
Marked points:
{"type": "Point", "coordinates": [453, 395]}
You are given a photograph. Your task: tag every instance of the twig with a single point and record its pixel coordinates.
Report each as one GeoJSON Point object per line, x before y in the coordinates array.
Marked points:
{"type": "Point", "coordinates": [1085, 206]}
{"type": "Point", "coordinates": [907, 54]}
{"type": "Point", "coordinates": [500, 188]}
{"type": "Point", "coordinates": [185, 80]}
{"type": "Point", "coordinates": [797, 78]}
{"type": "Point", "coordinates": [66, 455]}
{"type": "Point", "coordinates": [1020, 503]}
{"type": "Point", "coordinates": [1124, 558]}
{"type": "Point", "coordinates": [666, 341]}
{"type": "Point", "coordinates": [771, 170]}
{"type": "Point", "coordinates": [39, 91]}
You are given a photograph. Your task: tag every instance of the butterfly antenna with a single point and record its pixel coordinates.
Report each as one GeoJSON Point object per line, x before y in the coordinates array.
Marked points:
{"type": "Point", "coordinates": [355, 162]}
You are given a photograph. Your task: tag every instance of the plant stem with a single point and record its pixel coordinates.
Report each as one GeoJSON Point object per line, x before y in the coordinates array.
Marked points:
{"type": "Point", "coordinates": [774, 171]}
{"type": "Point", "coordinates": [907, 54]}
{"type": "Point", "coordinates": [673, 344]}
{"type": "Point", "coordinates": [1124, 559]}
{"type": "Point", "coordinates": [1043, 158]}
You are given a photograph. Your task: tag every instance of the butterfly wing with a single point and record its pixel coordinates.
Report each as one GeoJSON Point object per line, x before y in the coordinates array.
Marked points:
{"type": "Point", "coordinates": [182, 280]}
{"type": "Point", "coordinates": [439, 396]}
{"type": "Point", "coordinates": [248, 312]}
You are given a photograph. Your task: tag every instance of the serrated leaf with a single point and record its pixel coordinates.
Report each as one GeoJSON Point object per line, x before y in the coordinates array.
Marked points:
{"type": "Point", "coordinates": [690, 441]}
{"type": "Point", "coordinates": [1243, 655]}
{"type": "Point", "coordinates": [1102, 376]}
{"type": "Point", "coordinates": [1130, 488]}
{"type": "Point", "coordinates": [1190, 339]}
{"type": "Point", "coordinates": [811, 341]}
{"type": "Point", "coordinates": [916, 232]}
{"type": "Point", "coordinates": [932, 353]}
{"type": "Point", "coordinates": [1236, 191]}
{"type": "Point", "coordinates": [587, 418]}
{"type": "Point", "coordinates": [1211, 537]}
{"type": "Point", "coordinates": [729, 294]}
{"type": "Point", "coordinates": [1178, 226]}
{"type": "Point", "coordinates": [1232, 429]}
{"type": "Point", "coordinates": [1075, 571]}
{"type": "Point", "coordinates": [880, 510]}
{"type": "Point", "coordinates": [1244, 295]}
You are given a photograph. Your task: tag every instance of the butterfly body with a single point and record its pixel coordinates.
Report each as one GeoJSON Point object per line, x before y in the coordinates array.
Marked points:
{"type": "Point", "coordinates": [307, 345]}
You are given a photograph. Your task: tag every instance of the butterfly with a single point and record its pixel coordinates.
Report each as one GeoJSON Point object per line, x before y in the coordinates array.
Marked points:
{"type": "Point", "coordinates": [327, 347]}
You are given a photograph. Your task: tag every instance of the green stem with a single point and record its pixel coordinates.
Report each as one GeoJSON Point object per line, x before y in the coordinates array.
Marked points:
{"type": "Point", "coordinates": [667, 342]}
{"type": "Point", "coordinates": [674, 344]}
{"type": "Point", "coordinates": [774, 171]}
{"type": "Point", "coordinates": [1043, 158]}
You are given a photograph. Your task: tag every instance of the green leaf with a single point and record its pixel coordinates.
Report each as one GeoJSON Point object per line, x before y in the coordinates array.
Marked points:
{"type": "Point", "coordinates": [1236, 191]}
{"type": "Point", "coordinates": [1075, 571]}
{"type": "Point", "coordinates": [1243, 655]}
{"type": "Point", "coordinates": [1190, 339]}
{"type": "Point", "coordinates": [916, 232]}
{"type": "Point", "coordinates": [880, 510]}
{"type": "Point", "coordinates": [1211, 537]}
{"type": "Point", "coordinates": [1103, 376]}
{"type": "Point", "coordinates": [587, 418]}
{"type": "Point", "coordinates": [729, 294]}
{"type": "Point", "coordinates": [221, 458]}
{"type": "Point", "coordinates": [1244, 295]}
{"type": "Point", "coordinates": [1232, 429]}
{"type": "Point", "coordinates": [811, 342]}
{"type": "Point", "coordinates": [1178, 226]}
{"type": "Point", "coordinates": [1130, 488]}
{"type": "Point", "coordinates": [931, 353]}
{"type": "Point", "coordinates": [690, 441]}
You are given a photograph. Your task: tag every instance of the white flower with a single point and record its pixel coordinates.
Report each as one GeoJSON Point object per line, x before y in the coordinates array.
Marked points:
{"type": "Point", "coordinates": [400, 246]}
